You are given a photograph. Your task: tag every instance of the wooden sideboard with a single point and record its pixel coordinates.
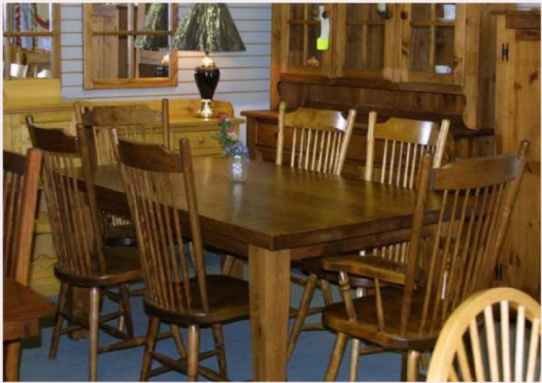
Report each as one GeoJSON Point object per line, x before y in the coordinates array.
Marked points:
{"type": "Point", "coordinates": [262, 141]}
{"type": "Point", "coordinates": [50, 110]}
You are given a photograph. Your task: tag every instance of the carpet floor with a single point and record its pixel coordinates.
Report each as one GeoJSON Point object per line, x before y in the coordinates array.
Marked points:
{"type": "Point", "coordinates": [308, 363]}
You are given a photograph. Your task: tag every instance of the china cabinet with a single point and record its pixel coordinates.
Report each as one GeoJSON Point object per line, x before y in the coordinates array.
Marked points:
{"type": "Point", "coordinates": [517, 118]}
{"type": "Point", "coordinates": [408, 57]}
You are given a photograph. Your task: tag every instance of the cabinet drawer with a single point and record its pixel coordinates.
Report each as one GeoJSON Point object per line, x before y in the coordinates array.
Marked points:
{"type": "Point", "coordinates": [201, 143]}
{"type": "Point", "coordinates": [266, 135]}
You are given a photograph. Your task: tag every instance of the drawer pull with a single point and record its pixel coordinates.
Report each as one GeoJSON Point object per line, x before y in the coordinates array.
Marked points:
{"type": "Point", "coordinates": [201, 140]}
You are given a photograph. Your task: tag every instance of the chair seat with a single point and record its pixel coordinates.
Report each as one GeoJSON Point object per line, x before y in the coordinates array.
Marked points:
{"type": "Point", "coordinates": [121, 264]}
{"type": "Point", "coordinates": [314, 266]}
{"type": "Point", "coordinates": [228, 300]}
{"type": "Point", "coordinates": [366, 327]}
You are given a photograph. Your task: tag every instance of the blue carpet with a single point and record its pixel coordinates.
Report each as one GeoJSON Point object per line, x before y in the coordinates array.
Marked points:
{"type": "Point", "coordinates": [308, 363]}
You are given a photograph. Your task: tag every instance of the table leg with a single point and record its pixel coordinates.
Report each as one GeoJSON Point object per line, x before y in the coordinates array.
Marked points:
{"type": "Point", "coordinates": [12, 357]}
{"type": "Point", "coordinates": [269, 278]}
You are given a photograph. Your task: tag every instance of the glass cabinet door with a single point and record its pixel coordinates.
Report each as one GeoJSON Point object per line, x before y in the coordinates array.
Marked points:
{"type": "Point", "coordinates": [302, 25]}
{"type": "Point", "coordinates": [365, 46]}
{"type": "Point", "coordinates": [433, 35]}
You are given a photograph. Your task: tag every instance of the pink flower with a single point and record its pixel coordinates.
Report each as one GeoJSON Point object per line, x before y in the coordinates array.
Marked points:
{"type": "Point", "coordinates": [222, 117]}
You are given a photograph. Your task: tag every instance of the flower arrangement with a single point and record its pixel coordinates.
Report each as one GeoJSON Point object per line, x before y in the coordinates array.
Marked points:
{"type": "Point", "coordinates": [228, 137]}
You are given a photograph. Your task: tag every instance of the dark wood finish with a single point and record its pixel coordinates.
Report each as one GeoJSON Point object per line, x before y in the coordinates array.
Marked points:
{"type": "Point", "coordinates": [262, 130]}
{"type": "Point", "coordinates": [492, 317]}
{"type": "Point", "coordinates": [248, 219]}
{"type": "Point", "coordinates": [22, 309]}
{"type": "Point", "coordinates": [316, 140]}
{"type": "Point", "coordinates": [442, 270]}
{"type": "Point", "coordinates": [156, 180]}
{"type": "Point", "coordinates": [137, 121]}
{"type": "Point", "coordinates": [82, 259]}
{"type": "Point", "coordinates": [394, 155]}
{"type": "Point", "coordinates": [20, 197]}
{"type": "Point", "coordinates": [21, 179]}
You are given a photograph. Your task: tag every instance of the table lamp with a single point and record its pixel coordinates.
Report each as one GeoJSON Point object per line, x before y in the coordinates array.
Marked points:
{"type": "Point", "coordinates": [207, 27]}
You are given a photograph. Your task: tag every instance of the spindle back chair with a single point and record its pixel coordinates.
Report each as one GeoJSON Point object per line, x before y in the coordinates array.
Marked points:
{"type": "Point", "coordinates": [20, 199]}
{"type": "Point", "coordinates": [317, 139]}
{"type": "Point", "coordinates": [442, 269]}
{"type": "Point", "coordinates": [83, 261]}
{"type": "Point", "coordinates": [136, 121]}
{"type": "Point", "coordinates": [488, 338]}
{"type": "Point", "coordinates": [160, 189]}
{"type": "Point", "coordinates": [21, 180]}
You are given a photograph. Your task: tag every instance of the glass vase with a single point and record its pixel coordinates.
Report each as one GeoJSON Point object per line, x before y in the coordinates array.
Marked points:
{"type": "Point", "coordinates": [238, 167]}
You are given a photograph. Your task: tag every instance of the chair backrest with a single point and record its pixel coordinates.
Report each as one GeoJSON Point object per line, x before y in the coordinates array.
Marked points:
{"type": "Point", "coordinates": [476, 197]}
{"type": "Point", "coordinates": [21, 180]}
{"type": "Point", "coordinates": [72, 208]}
{"type": "Point", "coordinates": [159, 185]}
{"type": "Point", "coordinates": [494, 336]}
{"type": "Point", "coordinates": [397, 146]}
{"type": "Point", "coordinates": [318, 139]}
{"type": "Point", "coordinates": [136, 121]}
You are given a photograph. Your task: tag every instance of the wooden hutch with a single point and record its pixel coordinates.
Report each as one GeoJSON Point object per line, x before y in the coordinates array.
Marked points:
{"type": "Point", "coordinates": [384, 57]}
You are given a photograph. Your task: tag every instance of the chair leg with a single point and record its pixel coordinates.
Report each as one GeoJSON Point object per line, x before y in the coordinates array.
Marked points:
{"type": "Point", "coordinates": [61, 306]}
{"type": "Point", "coordinates": [308, 293]}
{"type": "Point", "coordinates": [124, 303]}
{"type": "Point", "coordinates": [94, 317]}
{"type": "Point", "coordinates": [336, 357]}
{"type": "Point", "coordinates": [178, 339]}
{"type": "Point", "coordinates": [12, 358]}
{"type": "Point", "coordinates": [150, 344]}
{"type": "Point", "coordinates": [413, 359]}
{"type": "Point", "coordinates": [326, 291]}
{"type": "Point", "coordinates": [193, 353]}
{"type": "Point", "coordinates": [356, 343]}
{"type": "Point", "coordinates": [219, 343]}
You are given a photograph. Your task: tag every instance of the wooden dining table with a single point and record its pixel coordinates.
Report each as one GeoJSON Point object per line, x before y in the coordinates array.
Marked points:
{"type": "Point", "coordinates": [276, 216]}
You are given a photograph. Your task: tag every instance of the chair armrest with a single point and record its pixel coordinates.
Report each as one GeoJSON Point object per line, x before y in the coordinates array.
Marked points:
{"type": "Point", "coordinates": [367, 266]}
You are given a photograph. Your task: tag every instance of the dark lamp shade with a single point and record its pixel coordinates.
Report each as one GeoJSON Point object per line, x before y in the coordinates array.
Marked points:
{"type": "Point", "coordinates": [156, 19]}
{"type": "Point", "coordinates": [208, 27]}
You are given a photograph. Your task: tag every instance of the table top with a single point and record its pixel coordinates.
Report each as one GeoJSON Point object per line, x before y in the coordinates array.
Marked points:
{"type": "Point", "coordinates": [22, 304]}
{"type": "Point", "coordinates": [278, 207]}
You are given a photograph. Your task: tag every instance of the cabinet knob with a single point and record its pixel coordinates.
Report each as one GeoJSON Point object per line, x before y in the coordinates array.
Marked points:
{"type": "Point", "coordinates": [404, 15]}
{"type": "Point", "coordinates": [201, 140]}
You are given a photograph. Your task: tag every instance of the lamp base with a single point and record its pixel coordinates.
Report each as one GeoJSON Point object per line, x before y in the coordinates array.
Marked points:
{"type": "Point", "coordinates": [205, 109]}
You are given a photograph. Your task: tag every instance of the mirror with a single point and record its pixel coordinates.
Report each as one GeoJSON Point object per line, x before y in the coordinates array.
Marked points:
{"type": "Point", "coordinates": [126, 45]}
{"type": "Point", "coordinates": [31, 40]}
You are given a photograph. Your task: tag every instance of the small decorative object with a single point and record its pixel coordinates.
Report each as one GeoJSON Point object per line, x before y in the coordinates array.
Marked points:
{"type": "Point", "coordinates": [234, 148]}
{"type": "Point", "coordinates": [207, 27]}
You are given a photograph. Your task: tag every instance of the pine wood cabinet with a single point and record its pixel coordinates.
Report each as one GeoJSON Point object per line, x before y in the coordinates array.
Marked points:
{"type": "Point", "coordinates": [517, 118]}
{"type": "Point", "coordinates": [391, 49]}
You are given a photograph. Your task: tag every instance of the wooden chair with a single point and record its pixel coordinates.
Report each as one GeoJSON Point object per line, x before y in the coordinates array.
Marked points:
{"type": "Point", "coordinates": [159, 184]}
{"type": "Point", "coordinates": [444, 266]}
{"type": "Point", "coordinates": [82, 259]}
{"type": "Point", "coordinates": [137, 121]}
{"type": "Point", "coordinates": [393, 156]}
{"type": "Point", "coordinates": [21, 179]}
{"type": "Point", "coordinates": [489, 337]}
